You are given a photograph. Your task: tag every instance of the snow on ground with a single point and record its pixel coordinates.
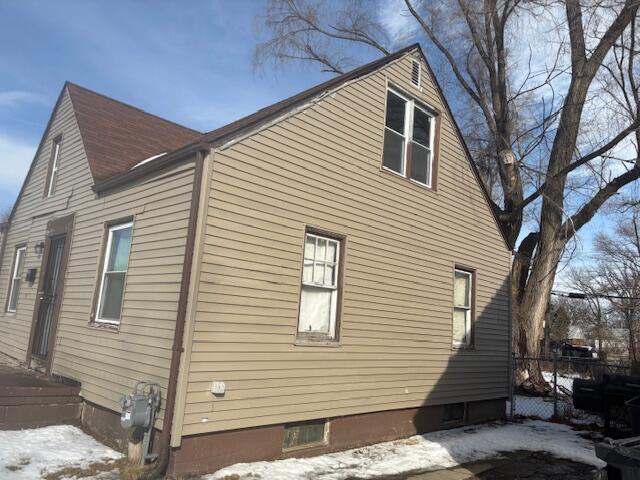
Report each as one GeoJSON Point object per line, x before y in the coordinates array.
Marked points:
{"type": "Point", "coordinates": [432, 451]}
{"type": "Point", "coordinates": [31, 454]}
{"type": "Point", "coordinates": [564, 380]}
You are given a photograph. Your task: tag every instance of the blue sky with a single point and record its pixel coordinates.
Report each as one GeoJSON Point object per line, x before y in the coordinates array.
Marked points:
{"type": "Point", "coordinates": [188, 61]}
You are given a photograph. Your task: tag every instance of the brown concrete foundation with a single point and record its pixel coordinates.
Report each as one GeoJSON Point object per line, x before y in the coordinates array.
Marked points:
{"type": "Point", "coordinates": [206, 453]}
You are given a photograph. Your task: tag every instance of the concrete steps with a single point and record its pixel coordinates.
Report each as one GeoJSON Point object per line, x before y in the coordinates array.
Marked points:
{"type": "Point", "coordinates": [29, 400]}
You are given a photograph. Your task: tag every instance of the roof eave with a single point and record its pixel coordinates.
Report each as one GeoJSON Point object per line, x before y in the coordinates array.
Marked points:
{"type": "Point", "coordinates": [147, 169]}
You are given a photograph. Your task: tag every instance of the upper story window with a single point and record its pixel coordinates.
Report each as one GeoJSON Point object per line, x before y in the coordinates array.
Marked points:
{"type": "Point", "coordinates": [16, 278]}
{"type": "Point", "coordinates": [408, 138]}
{"type": "Point", "coordinates": [462, 307]}
{"type": "Point", "coordinates": [52, 174]}
{"type": "Point", "coordinates": [114, 271]}
{"type": "Point", "coordinates": [320, 288]}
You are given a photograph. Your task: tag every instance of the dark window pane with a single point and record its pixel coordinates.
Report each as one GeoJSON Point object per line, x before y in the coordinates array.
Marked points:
{"type": "Point", "coordinates": [393, 150]}
{"type": "Point", "coordinates": [112, 295]}
{"type": "Point", "coordinates": [421, 127]}
{"type": "Point", "coordinates": [420, 163]}
{"type": "Point", "coordinates": [395, 112]}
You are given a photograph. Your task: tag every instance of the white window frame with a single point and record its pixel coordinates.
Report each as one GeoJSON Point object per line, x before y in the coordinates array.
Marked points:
{"type": "Point", "coordinates": [468, 309]}
{"type": "Point", "coordinates": [334, 287]}
{"type": "Point", "coordinates": [54, 167]}
{"type": "Point", "coordinates": [15, 275]}
{"type": "Point", "coordinates": [105, 260]}
{"type": "Point", "coordinates": [408, 136]}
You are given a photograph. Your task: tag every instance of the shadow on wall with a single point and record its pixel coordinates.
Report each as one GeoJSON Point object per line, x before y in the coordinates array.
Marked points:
{"type": "Point", "coordinates": [474, 385]}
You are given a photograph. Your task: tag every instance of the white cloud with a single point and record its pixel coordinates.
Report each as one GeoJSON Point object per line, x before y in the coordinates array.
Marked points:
{"type": "Point", "coordinates": [15, 157]}
{"type": "Point", "coordinates": [398, 22]}
{"type": "Point", "coordinates": [14, 98]}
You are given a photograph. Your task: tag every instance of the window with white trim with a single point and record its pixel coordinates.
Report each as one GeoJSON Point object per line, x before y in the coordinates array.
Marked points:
{"type": "Point", "coordinates": [53, 172]}
{"type": "Point", "coordinates": [408, 138]}
{"type": "Point", "coordinates": [114, 272]}
{"type": "Point", "coordinates": [462, 307]}
{"type": "Point", "coordinates": [319, 290]}
{"type": "Point", "coordinates": [16, 278]}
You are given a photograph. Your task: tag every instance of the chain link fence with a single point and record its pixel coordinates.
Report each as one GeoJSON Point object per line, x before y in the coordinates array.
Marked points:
{"type": "Point", "coordinates": [556, 400]}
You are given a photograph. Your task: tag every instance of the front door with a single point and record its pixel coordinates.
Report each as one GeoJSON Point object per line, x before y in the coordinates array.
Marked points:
{"type": "Point", "coordinates": [49, 296]}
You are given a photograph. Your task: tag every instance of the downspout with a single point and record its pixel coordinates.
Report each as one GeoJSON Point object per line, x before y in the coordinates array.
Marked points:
{"type": "Point", "coordinates": [510, 357]}
{"type": "Point", "coordinates": [164, 447]}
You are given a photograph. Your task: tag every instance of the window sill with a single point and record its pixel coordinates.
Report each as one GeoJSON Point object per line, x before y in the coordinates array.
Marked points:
{"type": "Point", "coordinates": [303, 342]}
{"type": "Point", "coordinates": [104, 326]}
{"type": "Point", "coordinates": [463, 347]}
{"type": "Point", "coordinates": [308, 446]}
{"type": "Point", "coordinates": [402, 178]}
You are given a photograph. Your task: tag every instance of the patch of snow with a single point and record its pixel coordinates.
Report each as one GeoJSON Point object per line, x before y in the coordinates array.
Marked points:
{"type": "Point", "coordinates": [32, 454]}
{"type": "Point", "coordinates": [147, 160]}
{"type": "Point", "coordinates": [433, 451]}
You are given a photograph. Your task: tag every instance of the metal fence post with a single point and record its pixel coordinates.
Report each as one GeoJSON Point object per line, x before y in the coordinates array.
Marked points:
{"type": "Point", "coordinates": [555, 384]}
{"type": "Point", "coordinates": [512, 386]}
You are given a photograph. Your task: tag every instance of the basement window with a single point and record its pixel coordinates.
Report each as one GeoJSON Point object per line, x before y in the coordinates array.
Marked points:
{"type": "Point", "coordinates": [454, 412]}
{"type": "Point", "coordinates": [304, 434]}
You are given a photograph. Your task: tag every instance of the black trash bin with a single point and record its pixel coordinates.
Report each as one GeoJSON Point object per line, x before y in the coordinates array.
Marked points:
{"type": "Point", "coordinates": [622, 457]}
{"type": "Point", "coordinates": [633, 406]}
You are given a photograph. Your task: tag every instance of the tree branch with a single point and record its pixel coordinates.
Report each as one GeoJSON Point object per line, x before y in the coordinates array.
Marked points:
{"type": "Point", "coordinates": [588, 210]}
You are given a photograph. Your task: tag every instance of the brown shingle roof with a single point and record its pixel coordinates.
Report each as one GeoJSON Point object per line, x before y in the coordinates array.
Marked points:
{"type": "Point", "coordinates": [246, 124]}
{"type": "Point", "coordinates": [117, 136]}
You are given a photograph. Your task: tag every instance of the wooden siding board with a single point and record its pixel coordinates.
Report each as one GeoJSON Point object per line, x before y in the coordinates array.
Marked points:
{"type": "Point", "coordinates": [107, 363]}
{"type": "Point", "coordinates": [322, 167]}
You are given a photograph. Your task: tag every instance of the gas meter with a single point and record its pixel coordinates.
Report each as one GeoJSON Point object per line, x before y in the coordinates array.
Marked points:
{"type": "Point", "coordinates": [139, 410]}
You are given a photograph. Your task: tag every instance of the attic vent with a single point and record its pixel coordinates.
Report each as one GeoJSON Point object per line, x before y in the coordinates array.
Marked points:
{"type": "Point", "coordinates": [415, 73]}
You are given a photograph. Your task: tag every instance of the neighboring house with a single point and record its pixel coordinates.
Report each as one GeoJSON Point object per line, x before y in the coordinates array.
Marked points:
{"type": "Point", "coordinates": [332, 262]}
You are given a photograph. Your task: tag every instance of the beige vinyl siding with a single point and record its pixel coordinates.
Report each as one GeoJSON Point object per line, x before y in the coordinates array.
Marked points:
{"type": "Point", "coordinates": [107, 363]}
{"type": "Point", "coordinates": [321, 167]}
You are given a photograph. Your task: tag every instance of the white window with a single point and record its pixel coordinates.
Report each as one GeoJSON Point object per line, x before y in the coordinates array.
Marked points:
{"type": "Point", "coordinates": [114, 271]}
{"type": "Point", "coordinates": [319, 290]}
{"type": "Point", "coordinates": [53, 173]}
{"type": "Point", "coordinates": [16, 278]}
{"type": "Point", "coordinates": [462, 307]}
{"type": "Point", "coordinates": [408, 139]}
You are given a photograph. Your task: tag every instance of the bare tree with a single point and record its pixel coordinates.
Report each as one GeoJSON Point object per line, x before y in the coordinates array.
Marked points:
{"type": "Point", "coordinates": [534, 131]}
{"type": "Point", "coordinates": [590, 314]}
{"type": "Point", "coordinates": [618, 277]}
{"type": "Point", "coordinates": [4, 215]}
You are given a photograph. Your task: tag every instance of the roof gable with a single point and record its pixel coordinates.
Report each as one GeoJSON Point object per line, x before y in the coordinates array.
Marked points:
{"type": "Point", "coordinates": [117, 136]}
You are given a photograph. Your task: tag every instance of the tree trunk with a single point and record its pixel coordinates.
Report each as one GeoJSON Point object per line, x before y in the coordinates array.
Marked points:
{"type": "Point", "coordinates": [530, 310]}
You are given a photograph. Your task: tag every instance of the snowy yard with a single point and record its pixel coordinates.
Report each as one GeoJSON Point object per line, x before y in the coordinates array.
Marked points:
{"type": "Point", "coordinates": [433, 451]}
{"type": "Point", "coordinates": [542, 407]}
{"type": "Point", "coordinates": [34, 454]}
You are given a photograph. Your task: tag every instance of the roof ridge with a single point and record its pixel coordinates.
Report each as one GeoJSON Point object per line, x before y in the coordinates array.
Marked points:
{"type": "Point", "coordinates": [68, 83]}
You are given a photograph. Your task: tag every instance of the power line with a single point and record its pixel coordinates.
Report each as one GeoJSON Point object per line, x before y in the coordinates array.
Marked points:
{"type": "Point", "coordinates": [584, 296]}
